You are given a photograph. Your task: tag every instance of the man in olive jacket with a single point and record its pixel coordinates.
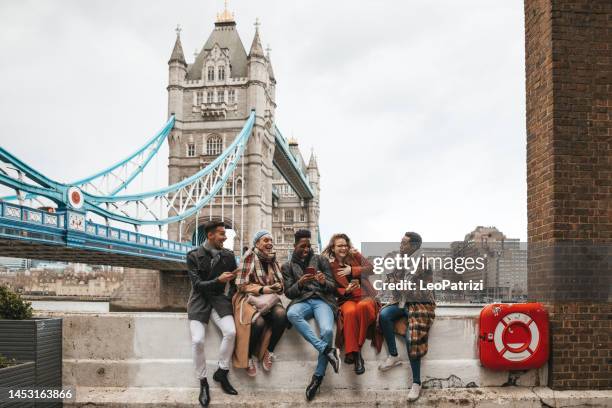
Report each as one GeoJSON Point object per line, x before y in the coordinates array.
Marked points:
{"type": "Point", "coordinates": [211, 270]}
{"type": "Point", "coordinates": [310, 285]}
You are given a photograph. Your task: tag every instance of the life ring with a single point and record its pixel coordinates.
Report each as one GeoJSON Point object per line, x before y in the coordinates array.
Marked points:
{"type": "Point", "coordinates": [516, 337]}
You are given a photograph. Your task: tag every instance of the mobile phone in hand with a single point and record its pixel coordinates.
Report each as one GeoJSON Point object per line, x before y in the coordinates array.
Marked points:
{"type": "Point", "coordinates": [310, 270]}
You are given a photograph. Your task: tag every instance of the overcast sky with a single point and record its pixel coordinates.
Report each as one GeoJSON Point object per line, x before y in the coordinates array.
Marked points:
{"type": "Point", "coordinates": [415, 109]}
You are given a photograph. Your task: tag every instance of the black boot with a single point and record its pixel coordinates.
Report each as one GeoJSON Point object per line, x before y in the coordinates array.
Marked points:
{"type": "Point", "coordinates": [204, 396]}
{"type": "Point", "coordinates": [333, 356]}
{"type": "Point", "coordinates": [313, 387]}
{"type": "Point", "coordinates": [349, 358]}
{"type": "Point", "coordinates": [221, 377]}
{"type": "Point", "coordinates": [359, 363]}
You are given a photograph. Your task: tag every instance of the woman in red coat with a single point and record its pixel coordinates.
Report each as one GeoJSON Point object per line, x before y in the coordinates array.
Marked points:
{"type": "Point", "coordinates": [356, 298]}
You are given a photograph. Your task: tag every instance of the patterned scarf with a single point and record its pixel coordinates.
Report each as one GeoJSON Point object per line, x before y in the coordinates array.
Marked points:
{"type": "Point", "coordinates": [253, 271]}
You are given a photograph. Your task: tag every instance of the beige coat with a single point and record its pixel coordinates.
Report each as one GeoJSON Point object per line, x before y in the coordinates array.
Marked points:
{"type": "Point", "coordinates": [243, 314]}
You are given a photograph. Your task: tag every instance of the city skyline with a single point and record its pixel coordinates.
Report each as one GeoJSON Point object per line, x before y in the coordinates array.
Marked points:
{"type": "Point", "coordinates": [372, 75]}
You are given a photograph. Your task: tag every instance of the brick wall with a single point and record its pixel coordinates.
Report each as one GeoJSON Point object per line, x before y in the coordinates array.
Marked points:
{"type": "Point", "coordinates": [568, 47]}
{"type": "Point", "coordinates": [150, 290]}
{"type": "Point", "coordinates": [139, 291]}
{"type": "Point", "coordinates": [175, 290]}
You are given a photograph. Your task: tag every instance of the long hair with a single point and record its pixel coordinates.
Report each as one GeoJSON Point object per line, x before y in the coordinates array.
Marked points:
{"type": "Point", "coordinates": [328, 252]}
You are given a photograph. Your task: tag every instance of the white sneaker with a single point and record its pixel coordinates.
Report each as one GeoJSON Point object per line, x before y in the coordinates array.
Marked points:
{"type": "Point", "coordinates": [390, 362]}
{"type": "Point", "coordinates": [414, 393]}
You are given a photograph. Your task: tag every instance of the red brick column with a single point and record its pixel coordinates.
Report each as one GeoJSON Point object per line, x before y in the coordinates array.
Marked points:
{"type": "Point", "coordinates": [568, 47]}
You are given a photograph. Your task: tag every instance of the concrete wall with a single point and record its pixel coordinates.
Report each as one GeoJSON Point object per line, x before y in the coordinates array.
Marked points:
{"type": "Point", "coordinates": [154, 350]}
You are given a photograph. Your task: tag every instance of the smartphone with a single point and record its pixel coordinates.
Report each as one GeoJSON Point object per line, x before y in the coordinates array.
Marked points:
{"type": "Point", "coordinates": [310, 270]}
{"type": "Point", "coordinates": [355, 282]}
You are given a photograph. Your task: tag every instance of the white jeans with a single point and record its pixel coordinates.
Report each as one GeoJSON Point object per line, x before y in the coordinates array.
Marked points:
{"type": "Point", "coordinates": [198, 331]}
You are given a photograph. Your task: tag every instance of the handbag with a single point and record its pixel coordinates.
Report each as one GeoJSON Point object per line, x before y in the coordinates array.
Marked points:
{"type": "Point", "coordinates": [262, 304]}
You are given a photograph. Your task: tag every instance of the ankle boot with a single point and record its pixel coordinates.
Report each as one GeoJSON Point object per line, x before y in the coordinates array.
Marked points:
{"type": "Point", "coordinates": [313, 387]}
{"type": "Point", "coordinates": [204, 397]}
{"type": "Point", "coordinates": [349, 358]}
{"type": "Point", "coordinates": [333, 357]}
{"type": "Point", "coordinates": [221, 377]}
{"type": "Point", "coordinates": [359, 363]}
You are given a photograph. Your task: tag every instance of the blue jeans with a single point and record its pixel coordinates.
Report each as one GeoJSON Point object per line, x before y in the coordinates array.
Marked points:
{"type": "Point", "coordinates": [299, 313]}
{"type": "Point", "coordinates": [388, 316]}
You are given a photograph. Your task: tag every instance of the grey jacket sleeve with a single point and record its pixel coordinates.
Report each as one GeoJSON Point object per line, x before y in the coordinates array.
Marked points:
{"type": "Point", "coordinates": [292, 289]}
{"type": "Point", "coordinates": [196, 282]}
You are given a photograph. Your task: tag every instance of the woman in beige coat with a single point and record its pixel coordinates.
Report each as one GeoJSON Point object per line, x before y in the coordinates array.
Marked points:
{"type": "Point", "coordinates": [258, 333]}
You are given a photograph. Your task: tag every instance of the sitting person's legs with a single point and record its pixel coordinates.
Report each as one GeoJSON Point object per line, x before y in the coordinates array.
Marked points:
{"type": "Point", "coordinates": [388, 316]}
{"type": "Point", "coordinates": [257, 329]}
{"type": "Point", "coordinates": [298, 315]}
{"type": "Point", "coordinates": [366, 316]}
{"type": "Point", "coordinates": [350, 329]}
{"type": "Point", "coordinates": [276, 319]}
{"type": "Point", "coordinates": [324, 316]}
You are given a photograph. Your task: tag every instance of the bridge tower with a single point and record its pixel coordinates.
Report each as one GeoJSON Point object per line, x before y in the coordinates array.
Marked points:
{"type": "Point", "coordinates": [211, 99]}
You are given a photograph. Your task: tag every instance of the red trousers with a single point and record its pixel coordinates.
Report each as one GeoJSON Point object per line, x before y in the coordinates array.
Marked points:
{"type": "Point", "coordinates": [357, 317]}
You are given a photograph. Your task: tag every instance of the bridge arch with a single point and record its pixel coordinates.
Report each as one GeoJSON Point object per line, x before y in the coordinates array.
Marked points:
{"type": "Point", "coordinates": [189, 231]}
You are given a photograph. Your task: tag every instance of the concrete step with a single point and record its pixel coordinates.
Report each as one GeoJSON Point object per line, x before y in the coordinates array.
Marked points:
{"type": "Point", "coordinates": [491, 397]}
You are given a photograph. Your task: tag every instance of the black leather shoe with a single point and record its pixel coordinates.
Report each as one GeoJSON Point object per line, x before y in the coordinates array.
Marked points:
{"type": "Point", "coordinates": [313, 387]}
{"type": "Point", "coordinates": [349, 358]}
{"type": "Point", "coordinates": [359, 364]}
{"type": "Point", "coordinates": [333, 356]}
{"type": "Point", "coordinates": [204, 397]}
{"type": "Point", "coordinates": [221, 377]}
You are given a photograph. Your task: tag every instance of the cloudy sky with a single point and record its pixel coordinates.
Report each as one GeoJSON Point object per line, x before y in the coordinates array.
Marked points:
{"type": "Point", "coordinates": [415, 109]}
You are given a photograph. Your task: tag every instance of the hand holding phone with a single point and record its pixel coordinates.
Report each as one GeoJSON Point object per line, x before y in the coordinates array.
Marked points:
{"type": "Point", "coordinates": [226, 277]}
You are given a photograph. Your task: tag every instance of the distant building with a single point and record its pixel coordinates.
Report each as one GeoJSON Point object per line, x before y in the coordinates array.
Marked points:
{"type": "Point", "coordinates": [505, 272]}
{"type": "Point", "coordinates": [14, 263]}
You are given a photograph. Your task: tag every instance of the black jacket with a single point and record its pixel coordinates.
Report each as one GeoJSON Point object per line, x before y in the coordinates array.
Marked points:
{"type": "Point", "coordinates": [293, 271]}
{"type": "Point", "coordinates": [206, 292]}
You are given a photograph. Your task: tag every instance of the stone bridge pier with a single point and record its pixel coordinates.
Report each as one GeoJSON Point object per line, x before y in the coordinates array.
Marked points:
{"type": "Point", "coordinates": [147, 290]}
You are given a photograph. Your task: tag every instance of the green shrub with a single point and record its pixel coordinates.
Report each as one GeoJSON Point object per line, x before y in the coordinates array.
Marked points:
{"type": "Point", "coordinates": [6, 362]}
{"type": "Point", "coordinates": [12, 306]}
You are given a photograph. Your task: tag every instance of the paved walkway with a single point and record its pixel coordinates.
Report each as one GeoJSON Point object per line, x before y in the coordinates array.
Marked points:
{"type": "Point", "coordinates": [451, 397]}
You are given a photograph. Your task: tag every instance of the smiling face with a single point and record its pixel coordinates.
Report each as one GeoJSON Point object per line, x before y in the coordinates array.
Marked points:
{"type": "Point", "coordinates": [265, 244]}
{"type": "Point", "coordinates": [340, 249]}
{"type": "Point", "coordinates": [217, 237]}
{"type": "Point", "coordinates": [302, 248]}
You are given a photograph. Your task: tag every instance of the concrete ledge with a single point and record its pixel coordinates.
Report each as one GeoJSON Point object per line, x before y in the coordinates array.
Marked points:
{"type": "Point", "coordinates": [154, 350]}
{"type": "Point", "coordinates": [492, 397]}
{"type": "Point", "coordinates": [285, 375]}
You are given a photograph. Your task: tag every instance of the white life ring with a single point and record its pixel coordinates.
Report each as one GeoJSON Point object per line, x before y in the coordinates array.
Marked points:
{"type": "Point", "coordinates": [516, 337]}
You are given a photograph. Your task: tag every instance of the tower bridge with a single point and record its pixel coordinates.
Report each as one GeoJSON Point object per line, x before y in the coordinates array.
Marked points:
{"type": "Point", "coordinates": [227, 161]}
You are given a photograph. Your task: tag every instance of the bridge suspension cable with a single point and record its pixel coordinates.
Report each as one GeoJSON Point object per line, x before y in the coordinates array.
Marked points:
{"type": "Point", "coordinates": [170, 204]}
{"type": "Point", "coordinates": [109, 181]}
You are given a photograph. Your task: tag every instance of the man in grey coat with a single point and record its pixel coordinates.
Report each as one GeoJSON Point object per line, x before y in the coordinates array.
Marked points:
{"type": "Point", "coordinates": [212, 270]}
